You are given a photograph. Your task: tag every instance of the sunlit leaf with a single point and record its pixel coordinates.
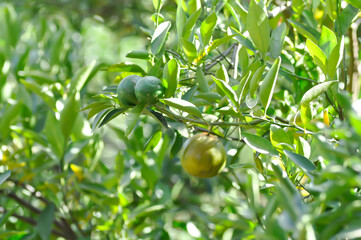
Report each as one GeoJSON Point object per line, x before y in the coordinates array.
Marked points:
{"type": "Point", "coordinates": [258, 26]}
{"type": "Point", "coordinates": [159, 37]}
{"type": "Point", "coordinates": [171, 77]}
{"type": "Point", "coordinates": [207, 28]}
{"type": "Point", "coordinates": [260, 144]}
{"type": "Point", "coordinates": [269, 83]}
{"type": "Point", "coordinates": [183, 105]}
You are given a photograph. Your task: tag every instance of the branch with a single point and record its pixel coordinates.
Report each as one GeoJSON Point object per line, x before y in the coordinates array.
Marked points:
{"type": "Point", "coordinates": [69, 233]}
{"type": "Point", "coordinates": [220, 57]}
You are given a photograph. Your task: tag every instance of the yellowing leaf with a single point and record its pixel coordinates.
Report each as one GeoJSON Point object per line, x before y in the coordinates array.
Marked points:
{"type": "Point", "coordinates": [78, 171]}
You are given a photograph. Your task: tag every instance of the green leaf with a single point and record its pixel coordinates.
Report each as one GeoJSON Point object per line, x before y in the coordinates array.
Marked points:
{"type": "Point", "coordinates": [45, 222]}
{"type": "Point", "coordinates": [258, 26]}
{"type": "Point", "coordinates": [211, 97]}
{"type": "Point", "coordinates": [243, 59]}
{"type": "Point", "coordinates": [132, 118]}
{"type": "Point", "coordinates": [159, 37]}
{"type": "Point", "coordinates": [279, 138]}
{"type": "Point", "coordinates": [283, 178]}
{"type": "Point", "coordinates": [307, 31]}
{"type": "Point", "coordinates": [298, 6]}
{"type": "Point", "coordinates": [126, 67]}
{"type": "Point", "coordinates": [138, 54]}
{"type": "Point", "coordinates": [158, 4]}
{"type": "Point", "coordinates": [69, 114]}
{"type": "Point", "coordinates": [54, 134]}
{"type": "Point", "coordinates": [277, 40]}
{"type": "Point", "coordinates": [260, 144]}
{"type": "Point", "coordinates": [327, 41]}
{"type": "Point", "coordinates": [207, 28]}
{"type": "Point", "coordinates": [303, 163]}
{"type": "Point", "coordinates": [182, 105]}
{"type": "Point", "coordinates": [331, 8]}
{"type": "Point", "coordinates": [227, 90]}
{"type": "Point", "coordinates": [99, 117]}
{"type": "Point", "coordinates": [44, 93]}
{"type": "Point", "coordinates": [111, 115]}
{"type": "Point", "coordinates": [191, 21]}
{"type": "Point", "coordinates": [3, 176]}
{"type": "Point", "coordinates": [95, 188]}
{"type": "Point", "coordinates": [8, 118]}
{"type": "Point", "coordinates": [202, 81]}
{"type": "Point", "coordinates": [317, 54]}
{"type": "Point", "coordinates": [256, 78]}
{"type": "Point", "coordinates": [5, 217]}
{"type": "Point", "coordinates": [268, 84]}
{"type": "Point", "coordinates": [233, 12]}
{"type": "Point", "coordinates": [40, 76]}
{"type": "Point", "coordinates": [189, 49]}
{"type": "Point", "coordinates": [242, 39]}
{"type": "Point", "coordinates": [335, 59]}
{"type": "Point", "coordinates": [153, 141]}
{"type": "Point", "coordinates": [355, 3]}
{"type": "Point", "coordinates": [242, 86]}
{"type": "Point", "coordinates": [180, 19]}
{"type": "Point", "coordinates": [78, 82]}
{"type": "Point", "coordinates": [97, 108]}
{"type": "Point", "coordinates": [346, 18]}
{"type": "Point", "coordinates": [171, 73]}
{"type": "Point", "coordinates": [11, 24]}
{"type": "Point", "coordinates": [315, 91]}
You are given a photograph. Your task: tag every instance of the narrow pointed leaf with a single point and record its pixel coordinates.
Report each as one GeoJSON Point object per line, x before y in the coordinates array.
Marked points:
{"type": "Point", "coordinates": [327, 41]}
{"type": "Point", "coordinates": [3, 176]}
{"type": "Point", "coordinates": [202, 81]}
{"type": "Point", "coordinates": [159, 37]}
{"type": "Point", "coordinates": [256, 78]}
{"type": "Point", "coordinates": [111, 115]}
{"type": "Point", "coordinates": [45, 222]}
{"type": "Point", "coordinates": [258, 26]}
{"type": "Point", "coordinates": [243, 40]}
{"type": "Point", "coordinates": [277, 40]}
{"type": "Point", "coordinates": [189, 50]}
{"type": "Point", "coordinates": [260, 144]}
{"type": "Point", "coordinates": [207, 28]}
{"type": "Point", "coordinates": [335, 59]}
{"type": "Point", "coordinates": [315, 91]}
{"type": "Point", "coordinates": [303, 163]}
{"type": "Point", "coordinates": [138, 54]}
{"type": "Point", "coordinates": [171, 77]}
{"type": "Point", "coordinates": [183, 105]}
{"type": "Point", "coordinates": [317, 54]}
{"type": "Point", "coordinates": [269, 83]}
{"type": "Point", "coordinates": [227, 90]}
{"type": "Point", "coordinates": [132, 118]}
{"type": "Point", "coordinates": [307, 31]}
{"type": "Point", "coordinates": [191, 21]}
{"type": "Point", "coordinates": [180, 19]}
{"type": "Point", "coordinates": [355, 3]}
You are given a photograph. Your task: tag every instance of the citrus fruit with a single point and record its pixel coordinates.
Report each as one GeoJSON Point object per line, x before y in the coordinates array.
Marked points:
{"type": "Point", "coordinates": [149, 89]}
{"type": "Point", "coordinates": [203, 156]}
{"type": "Point", "coordinates": [125, 90]}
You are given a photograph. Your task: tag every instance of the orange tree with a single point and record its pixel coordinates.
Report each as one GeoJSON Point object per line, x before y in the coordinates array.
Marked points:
{"type": "Point", "coordinates": [271, 81]}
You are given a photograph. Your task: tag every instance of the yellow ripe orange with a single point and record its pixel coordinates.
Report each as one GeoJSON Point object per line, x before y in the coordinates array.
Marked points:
{"type": "Point", "coordinates": [203, 156]}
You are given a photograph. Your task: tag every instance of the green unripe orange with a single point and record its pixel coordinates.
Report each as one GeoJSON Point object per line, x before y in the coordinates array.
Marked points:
{"type": "Point", "coordinates": [149, 90]}
{"type": "Point", "coordinates": [203, 156]}
{"type": "Point", "coordinates": [126, 90]}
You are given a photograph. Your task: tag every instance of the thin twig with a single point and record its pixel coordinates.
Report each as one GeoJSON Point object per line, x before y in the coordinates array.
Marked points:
{"type": "Point", "coordinates": [220, 57]}
{"type": "Point", "coordinates": [338, 110]}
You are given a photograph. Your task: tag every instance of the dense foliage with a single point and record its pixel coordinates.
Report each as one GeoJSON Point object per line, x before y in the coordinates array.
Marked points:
{"type": "Point", "coordinates": [275, 81]}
